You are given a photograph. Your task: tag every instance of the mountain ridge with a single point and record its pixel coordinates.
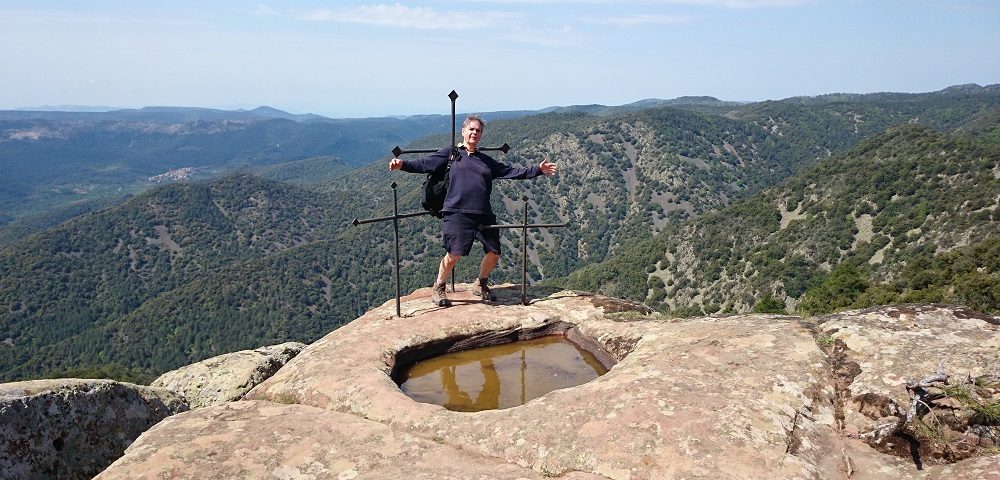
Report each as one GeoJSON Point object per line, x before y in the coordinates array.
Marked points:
{"type": "Point", "coordinates": [188, 263]}
{"type": "Point", "coordinates": [821, 225]}
{"type": "Point", "coordinates": [264, 110]}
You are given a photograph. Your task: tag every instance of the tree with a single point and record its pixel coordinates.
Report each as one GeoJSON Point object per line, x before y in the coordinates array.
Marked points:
{"type": "Point", "coordinates": [769, 304]}
{"type": "Point", "coordinates": [839, 290]}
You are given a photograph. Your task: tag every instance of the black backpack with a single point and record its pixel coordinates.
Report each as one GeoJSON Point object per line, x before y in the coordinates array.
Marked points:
{"type": "Point", "coordinates": [436, 186]}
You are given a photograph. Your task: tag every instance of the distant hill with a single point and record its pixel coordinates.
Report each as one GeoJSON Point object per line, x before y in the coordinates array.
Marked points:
{"type": "Point", "coordinates": [67, 108]}
{"type": "Point", "coordinates": [192, 269]}
{"type": "Point", "coordinates": [107, 264]}
{"type": "Point", "coordinates": [951, 92]}
{"type": "Point", "coordinates": [58, 164]}
{"type": "Point", "coordinates": [308, 171]}
{"type": "Point", "coordinates": [155, 114]}
{"type": "Point", "coordinates": [909, 197]}
{"type": "Point", "coordinates": [702, 103]}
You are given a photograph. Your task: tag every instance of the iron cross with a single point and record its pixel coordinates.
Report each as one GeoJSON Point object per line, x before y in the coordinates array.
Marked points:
{"type": "Point", "coordinates": [396, 216]}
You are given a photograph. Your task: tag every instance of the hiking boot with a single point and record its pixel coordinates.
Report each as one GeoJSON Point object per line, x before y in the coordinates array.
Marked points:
{"type": "Point", "coordinates": [438, 296]}
{"type": "Point", "coordinates": [481, 288]}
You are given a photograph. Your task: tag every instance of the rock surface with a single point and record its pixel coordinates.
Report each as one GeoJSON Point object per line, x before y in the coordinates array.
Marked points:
{"type": "Point", "coordinates": [73, 429]}
{"type": "Point", "coordinates": [259, 440]}
{"type": "Point", "coordinates": [751, 396]}
{"type": "Point", "coordinates": [878, 351]}
{"type": "Point", "coordinates": [227, 377]}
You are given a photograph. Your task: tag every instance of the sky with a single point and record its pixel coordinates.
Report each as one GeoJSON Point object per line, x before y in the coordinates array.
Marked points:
{"type": "Point", "coordinates": [366, 59]}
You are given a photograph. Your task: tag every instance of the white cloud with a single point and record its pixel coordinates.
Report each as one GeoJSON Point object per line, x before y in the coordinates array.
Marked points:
{"type": "Point", "coordinates": [556, 36]}
{"type": "Point", "coordinates": [639, 19]}
{"type": "Point", "coordinates": [401, 16]}
{"type": "Point", "coordinates": [263, 10]}
{"type": "Point", "coordinates": [704, 3]}
{"type": "Point", "coordinates": [739, 3]}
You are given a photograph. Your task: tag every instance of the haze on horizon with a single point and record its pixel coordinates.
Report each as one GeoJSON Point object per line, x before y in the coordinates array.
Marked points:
{"type": "Point", "coordinates": [363, 59]}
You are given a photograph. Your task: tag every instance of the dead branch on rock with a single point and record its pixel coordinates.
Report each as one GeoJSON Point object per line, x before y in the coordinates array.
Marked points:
{"type": "Point", "coordinates": [920, 395]}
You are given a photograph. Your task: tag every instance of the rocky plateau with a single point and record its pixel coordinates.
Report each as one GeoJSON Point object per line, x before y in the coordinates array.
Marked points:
{"type": "Point", "coordinates": [895, 392]}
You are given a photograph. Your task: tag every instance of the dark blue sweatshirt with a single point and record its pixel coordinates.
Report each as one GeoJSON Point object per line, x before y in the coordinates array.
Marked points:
{"type": "Point", "coordinates": [471, 178]}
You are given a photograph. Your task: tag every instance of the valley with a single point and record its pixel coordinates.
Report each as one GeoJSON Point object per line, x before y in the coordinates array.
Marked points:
{"type": "Point", "coordinates": [804, 205]}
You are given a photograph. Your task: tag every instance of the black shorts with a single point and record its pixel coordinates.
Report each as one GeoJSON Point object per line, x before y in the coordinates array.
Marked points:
{"type": "Point", "coordinates": [459, 230]}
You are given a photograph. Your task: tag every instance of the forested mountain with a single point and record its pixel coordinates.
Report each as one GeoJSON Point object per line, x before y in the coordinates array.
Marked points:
{"type": "Point", "coordinates": [308, 171]}
{"type": "Point", "coordinates": [58, 164]}
{"type": "Point", "coordinates": [155, 115]}
{"type": "Point", "coordinates": [703, 104]}
{"type": "Point", "coordinates": [68, 283]}
{"type": "Point", "coordinates": [909, 215]}
{"type": "Point", "coordinates": [684, 208]}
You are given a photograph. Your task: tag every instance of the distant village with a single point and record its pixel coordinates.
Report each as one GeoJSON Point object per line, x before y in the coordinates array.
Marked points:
{"type": "Point", "coordinates": [176, 174]}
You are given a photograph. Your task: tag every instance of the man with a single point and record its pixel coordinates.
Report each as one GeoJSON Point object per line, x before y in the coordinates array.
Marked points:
{"type": "Point", "coordinates": [467, 204]}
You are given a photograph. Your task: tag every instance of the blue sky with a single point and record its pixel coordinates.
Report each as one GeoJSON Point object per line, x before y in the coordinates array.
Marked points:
{"type": "Point", "coordinates": [355, 59]}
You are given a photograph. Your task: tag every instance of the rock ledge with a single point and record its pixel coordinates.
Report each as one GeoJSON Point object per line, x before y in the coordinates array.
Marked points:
{"type": "Point", "coordinates": [748, 396]}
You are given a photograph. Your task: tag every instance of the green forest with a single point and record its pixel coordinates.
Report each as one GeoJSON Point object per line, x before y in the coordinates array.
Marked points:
{"type": "Point", "coordinates": [928, 205]}
{"type": "Point", "coordinates": [804, 206]}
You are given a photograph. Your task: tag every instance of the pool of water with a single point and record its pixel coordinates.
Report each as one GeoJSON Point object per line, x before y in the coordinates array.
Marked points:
{"type": "Point", "coordinates": [499, 376]}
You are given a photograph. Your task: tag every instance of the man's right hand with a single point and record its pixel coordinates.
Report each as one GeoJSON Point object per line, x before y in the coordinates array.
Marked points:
{"type": "Point", "coordinates": [395, 164]}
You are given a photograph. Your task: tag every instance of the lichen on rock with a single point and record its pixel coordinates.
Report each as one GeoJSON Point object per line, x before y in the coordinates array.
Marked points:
{"type": "Point", "coordinates": [924, 380]}
{"type": "Point", "coordinates": [227, 377]}
{"type": "Point", "coordinates": [73, 429]}
{"type": "Point", "coordinates": [741, 396]}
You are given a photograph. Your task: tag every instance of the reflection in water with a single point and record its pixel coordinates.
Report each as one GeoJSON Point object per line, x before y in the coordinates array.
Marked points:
{"type": "Point", "coordinates": [501, 376]}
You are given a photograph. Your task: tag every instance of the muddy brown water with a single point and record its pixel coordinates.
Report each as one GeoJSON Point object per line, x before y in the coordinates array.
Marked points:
{"type": "Point", "coordinates": [500, 376]}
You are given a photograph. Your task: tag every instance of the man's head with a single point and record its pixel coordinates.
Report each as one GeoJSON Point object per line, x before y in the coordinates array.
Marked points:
{"type": "Point", "coordinates": [472, 131]}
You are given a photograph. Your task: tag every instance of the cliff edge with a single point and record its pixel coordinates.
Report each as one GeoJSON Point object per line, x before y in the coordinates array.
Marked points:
{"type": "Point", "coordinates": [746, 396]}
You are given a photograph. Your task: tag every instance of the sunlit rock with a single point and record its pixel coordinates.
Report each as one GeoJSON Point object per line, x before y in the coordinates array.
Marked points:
{"type": "Point", "coordinates": [72, 429]}
{"type": "Point", "coordinates": [227, 377]}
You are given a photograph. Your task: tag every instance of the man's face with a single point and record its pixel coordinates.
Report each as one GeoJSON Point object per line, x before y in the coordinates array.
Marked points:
{"type": "Point", "coordinates": [471, 134]}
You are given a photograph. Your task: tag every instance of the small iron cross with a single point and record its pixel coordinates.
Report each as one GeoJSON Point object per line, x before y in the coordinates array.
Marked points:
{"type": "Point", "coordinates": [524, 244]}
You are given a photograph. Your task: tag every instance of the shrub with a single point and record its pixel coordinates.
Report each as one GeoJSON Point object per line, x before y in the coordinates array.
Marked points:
{"type": "Point", "coordinates": [769, 304]}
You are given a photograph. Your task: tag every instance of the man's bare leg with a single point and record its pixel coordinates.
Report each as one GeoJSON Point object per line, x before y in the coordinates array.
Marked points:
{"type": "Point", "coordinates": [489, 262]}
{"type": "Point", "coordinates": [446, 266]}
{"type": "Point", "coordinates": [481, 287]}
{"type": "Point", "coordinates": [438, 296]}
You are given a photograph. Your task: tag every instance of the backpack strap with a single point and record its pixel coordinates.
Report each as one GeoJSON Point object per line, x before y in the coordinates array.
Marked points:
{"type": "Point", "coordinates": [436, 185]}
{"type": "Point", "coordinates": [452, 158]}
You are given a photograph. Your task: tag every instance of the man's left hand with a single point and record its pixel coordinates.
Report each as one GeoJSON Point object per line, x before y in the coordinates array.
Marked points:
{"type": "Point", "coordinates": [547, 167]}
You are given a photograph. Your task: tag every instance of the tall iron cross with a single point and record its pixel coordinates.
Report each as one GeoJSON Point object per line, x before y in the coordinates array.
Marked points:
{"type": "Point", "coordinates": [396, 216]}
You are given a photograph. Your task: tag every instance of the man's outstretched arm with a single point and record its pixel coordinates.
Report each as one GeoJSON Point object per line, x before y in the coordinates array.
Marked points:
{"type": "Point", "coordinates": [427, 164]}
{"type": "Point", "coordinates": [503, 171]}
{"type": "Point", "coordinates": [547, 167]}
